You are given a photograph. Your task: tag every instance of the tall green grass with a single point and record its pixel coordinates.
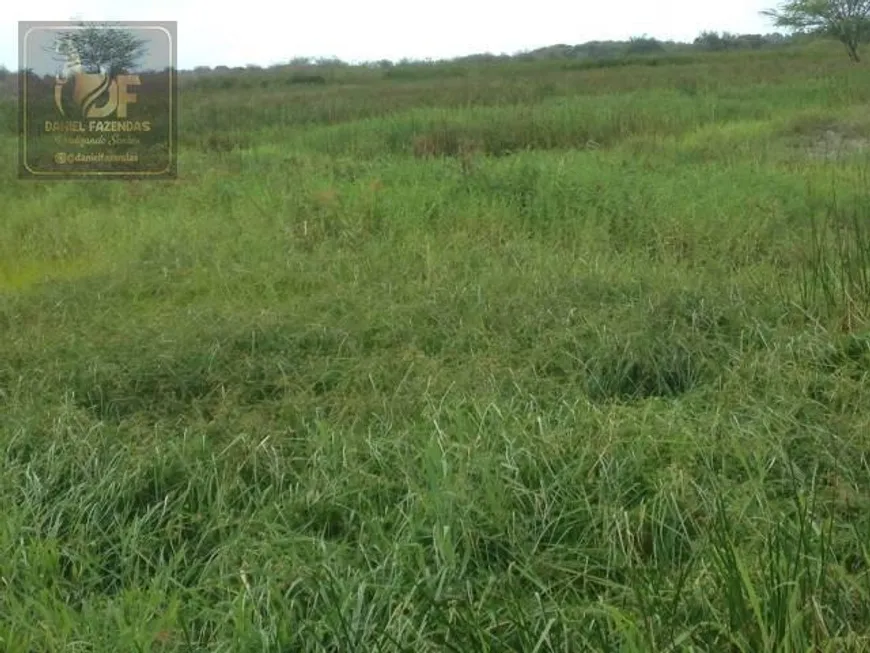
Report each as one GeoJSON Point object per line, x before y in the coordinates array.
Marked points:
{"type": "Point", "coordinates": [597, 382]}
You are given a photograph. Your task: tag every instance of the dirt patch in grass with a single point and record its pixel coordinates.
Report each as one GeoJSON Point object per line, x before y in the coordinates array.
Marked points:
{"type": "Point", "coordinates": [826, 138]}
{"type": "Point", "coordinates": [835, 144]}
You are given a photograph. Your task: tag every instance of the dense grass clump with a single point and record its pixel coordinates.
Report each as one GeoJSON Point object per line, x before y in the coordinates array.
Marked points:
{"type": "Point", "coordinates": [527, 357]}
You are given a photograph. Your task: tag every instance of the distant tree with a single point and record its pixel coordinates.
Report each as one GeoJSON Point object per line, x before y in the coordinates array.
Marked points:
{"type": "Point", "coordinates": [329, 61]}
{"type": "Point", "coordinates": [715, 42]}
{"type": "Point", "coordinates": [750, 41]}
{"type": "Point", "coordinates": [643, 45]}
{"type": "Point", "coordinates": [708, 41]}
{"type": "Point", "coordinates": [846, 20]}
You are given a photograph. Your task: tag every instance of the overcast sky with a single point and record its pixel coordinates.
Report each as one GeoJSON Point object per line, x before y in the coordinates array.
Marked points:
{"type": "Point", "coordinates": [266, 32]}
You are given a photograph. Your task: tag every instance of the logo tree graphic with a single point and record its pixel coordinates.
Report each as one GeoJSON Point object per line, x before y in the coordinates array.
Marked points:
{"type": "Point", "coordinates": [97, 57]}
{"type": "Point", "coordinates": [100, 48]}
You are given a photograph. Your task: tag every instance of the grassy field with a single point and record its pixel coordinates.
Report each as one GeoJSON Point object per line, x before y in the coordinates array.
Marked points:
{"type": "Point", "coordinates": [521, 358]}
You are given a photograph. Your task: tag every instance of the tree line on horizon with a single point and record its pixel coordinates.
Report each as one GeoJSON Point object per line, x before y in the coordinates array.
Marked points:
{"type": "Point", "coordinates": [114, 49]}
{"type": "Point", "coordinates": [707, 41]}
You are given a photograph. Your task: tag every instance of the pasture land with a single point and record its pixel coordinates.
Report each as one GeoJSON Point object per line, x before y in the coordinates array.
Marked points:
{"type": "Point", "coordinates": [507, 358]}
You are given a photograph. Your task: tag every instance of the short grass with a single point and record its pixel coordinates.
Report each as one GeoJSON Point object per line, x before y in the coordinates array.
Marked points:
{"type": "Point", "coordinates": [585, 370]}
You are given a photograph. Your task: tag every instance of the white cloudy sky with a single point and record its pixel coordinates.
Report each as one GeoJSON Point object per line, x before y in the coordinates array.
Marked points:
{"type": "Point", "coordinates": [272, 31]}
